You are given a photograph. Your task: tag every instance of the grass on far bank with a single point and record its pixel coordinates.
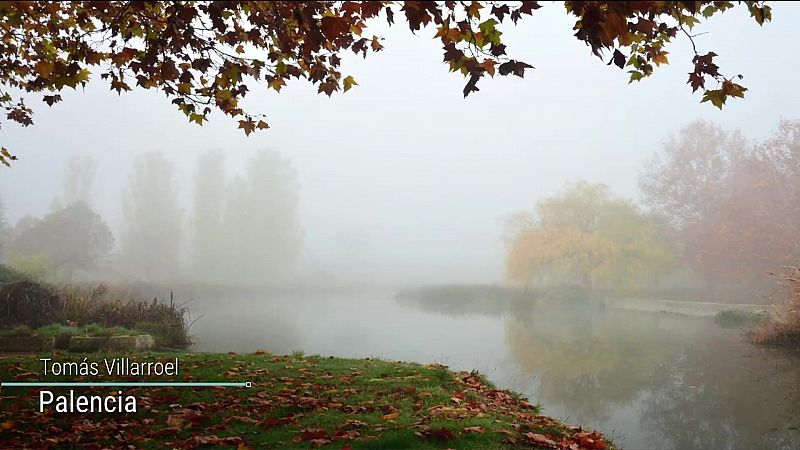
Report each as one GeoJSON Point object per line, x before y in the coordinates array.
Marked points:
{"type": "Point", "coordinates": [295, 402]}
{"type": "Point", "coordinates": [731, 318]}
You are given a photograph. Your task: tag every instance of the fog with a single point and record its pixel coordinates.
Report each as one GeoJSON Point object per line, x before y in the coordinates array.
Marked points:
{"type": "Point", "coordinates": [601, 247]}
{"type": "Point", "coordinates": [402, 180]}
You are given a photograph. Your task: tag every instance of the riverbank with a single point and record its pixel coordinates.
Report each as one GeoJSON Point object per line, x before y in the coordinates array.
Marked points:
{"type": "Point", "coordinates": [294, 401]}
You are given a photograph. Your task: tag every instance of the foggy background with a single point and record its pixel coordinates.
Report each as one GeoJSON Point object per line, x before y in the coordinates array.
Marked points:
{"type": "Point", "coordinates": [402, 179]}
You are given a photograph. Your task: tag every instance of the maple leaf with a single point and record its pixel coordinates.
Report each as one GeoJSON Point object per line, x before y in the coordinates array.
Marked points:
{"type": "Point", "coordinates": [696, 81]}
{"type": "Point", "coordinates": [500, 11]}
{"type": "Point", "coordinates": [328, 87]}
{"type": "Point", "coordinates": [497, 50]}
{"type": "Point", "coordinates": [660, 58]}
{"type": "Point", "coordinates": [349, 82]}
{"type": "Point", "coordinates": [717, 97]}
{"type": "Point", "coordinates": [124, 56]}
{"type": "Point", "coordinates": [389, 15]}
{"type": "Point", "coordinates": [51, 99]}
{"type": "Point", "coordinates": [333, 27]}
{"type": "Point", "coordinates": [470, 86]}
{"type": "Point", "coordinates": [515, 67]}
{"type": "Point", "coordinates": [540, 439]}
{"type": "Point", "coordinates": [248, 126]}
{"type": "Point", "coordinates": [161, 43]}
{"type": "Point", "coordinates": [618, 59]}
{"type": "Point", "coordinates": [733, 89]}
{"type": "Point", "coordinates": [391, 416]}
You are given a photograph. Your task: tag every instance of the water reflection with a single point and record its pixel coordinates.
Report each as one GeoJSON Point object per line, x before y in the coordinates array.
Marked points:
{"type": "Point", "coordinates": [653, 380]}
{"type": "Point", "coordinates": [721, 394]}
{"type": "Point", "coordinates": [657, 380]}
{"type": "Point", "coordinates": [589, 365]}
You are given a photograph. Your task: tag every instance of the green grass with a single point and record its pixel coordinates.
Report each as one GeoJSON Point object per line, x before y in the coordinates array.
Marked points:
{"type": "Point", "coordinates": [296, 401]}
{"type": "Point", "coordinates": [731, 318]}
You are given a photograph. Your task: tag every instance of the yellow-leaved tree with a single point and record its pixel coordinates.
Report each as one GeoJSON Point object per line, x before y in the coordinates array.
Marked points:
{"type": "Point", "coordinates": [588, 236]}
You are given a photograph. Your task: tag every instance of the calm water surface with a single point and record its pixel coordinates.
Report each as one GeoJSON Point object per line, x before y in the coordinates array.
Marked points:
{"type": "Point", "coordinates": [649, 380]}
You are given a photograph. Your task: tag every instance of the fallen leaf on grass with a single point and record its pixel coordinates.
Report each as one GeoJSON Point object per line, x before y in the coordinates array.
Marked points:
{"type": "Point", "coordinates": [540, 439]}
{"type": "Point", "coordinates": [346, 435]}
{"type": "Point", "coordinates": [592, 441]}
{"type": "Point", "coordinates": [316, 436]}
{"type": "Point", "coordinates": [214, 440]}
{"type": "Point", "coordinates": [354, 423]}
{"type": "Point", "coordinates": [241, 419]}
{"type": "Point", "coordinates": [474, 430]}
{"type": "Point", "coordinates": [391, 416]}
{"type": "Point", "coordinates": [272, 421]}
{"type": "Point", "coordinates": [437, 433]}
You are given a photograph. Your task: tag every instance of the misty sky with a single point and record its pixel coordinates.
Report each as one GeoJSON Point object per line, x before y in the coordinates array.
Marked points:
{"type": "Point", "coordinates": [402, 179]}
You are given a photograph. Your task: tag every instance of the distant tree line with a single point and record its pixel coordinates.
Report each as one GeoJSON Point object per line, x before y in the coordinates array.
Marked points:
{"type": "Point", "coordinates": [734, 204]}
{"type": "Point", "coordinates": [724, 207]}
{"type": "Point", "coordinates": [240, 231]}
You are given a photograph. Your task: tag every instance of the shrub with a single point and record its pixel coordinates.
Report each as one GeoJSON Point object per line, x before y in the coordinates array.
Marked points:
{"type": "Point", "coordinates": [786, 329]}
{"type": "Point", "coordinates": [167, 322]}
{"type": "Point", "coordinates": [34, 266]}
{"type": "Point", "coordinates": [165, 335]}
{"type": "Point", "coordinates": [8, 275]}
{"type": "Point", "coordinates": [29, 303]}
{"type": "Point", "coordinates": [99, 309]}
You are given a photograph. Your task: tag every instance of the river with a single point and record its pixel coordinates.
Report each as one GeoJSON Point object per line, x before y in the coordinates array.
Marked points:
{"type": "Point", "coordinates": [648, 380]}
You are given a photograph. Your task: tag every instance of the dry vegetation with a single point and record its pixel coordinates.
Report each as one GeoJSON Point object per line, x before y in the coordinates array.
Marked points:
{"type": "Point", "coordinates": [786, 329]}
{"type": "Point", "coordinates": [33, 304]}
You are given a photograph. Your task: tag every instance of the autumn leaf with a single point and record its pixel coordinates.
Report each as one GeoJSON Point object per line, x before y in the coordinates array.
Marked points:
{"type": "Point", "coordinates": [48, 46]}
{"type": "Point", "coordinates": [6, 157]}
{"type": "Point", "coordinates": [618, 59]}
{"type": "Point", "coordinates": [515, 67]}
{"type": "Point", "coordinates": [247, 125]}
{"type": "Point", "coordinates": [540, 439]}
{"type": "Point", "coordinates": [717, 97]}
{"type": "Point", "coordinates": [44, 68]}
{"type": "Point", "coordinates": [660, 58]}
{"type": "Point", "coordinates": [349, 82]}
{"type": "Point", "coordinates": [333, 27]}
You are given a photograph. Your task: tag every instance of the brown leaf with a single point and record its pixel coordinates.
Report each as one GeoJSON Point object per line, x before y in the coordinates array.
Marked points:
{"type": "Point", "coordinates": [333, 27]}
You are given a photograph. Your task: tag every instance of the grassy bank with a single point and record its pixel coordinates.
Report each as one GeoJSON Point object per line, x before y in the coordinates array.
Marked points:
{"type": "Point", "coordinates": [295, 402]}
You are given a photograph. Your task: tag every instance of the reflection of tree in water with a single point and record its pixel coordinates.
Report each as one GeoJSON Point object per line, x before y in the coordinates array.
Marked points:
{"type": "Point", "coordinates": [590, 363]}
{"type": "Point", "coordinates": [692, 384]}
{"type": "Point", "coordinates": [723, 394]}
